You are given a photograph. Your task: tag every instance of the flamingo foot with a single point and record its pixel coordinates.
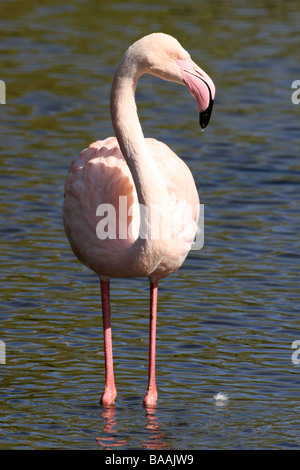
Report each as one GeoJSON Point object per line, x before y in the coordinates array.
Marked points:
{"type": "Point", "coordinates": [150, 398]}
{"type": "Point", "coordinates": [108, 397]}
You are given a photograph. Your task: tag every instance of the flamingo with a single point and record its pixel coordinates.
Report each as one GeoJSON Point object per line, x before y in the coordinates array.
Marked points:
{"type": "Point", "coordinates": [115, 178]}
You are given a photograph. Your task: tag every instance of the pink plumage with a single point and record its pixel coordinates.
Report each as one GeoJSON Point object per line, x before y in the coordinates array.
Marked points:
{"type": "Point", "coordinates": [100, 175]}
{"type": "Point", "coordinates": [113, 183]}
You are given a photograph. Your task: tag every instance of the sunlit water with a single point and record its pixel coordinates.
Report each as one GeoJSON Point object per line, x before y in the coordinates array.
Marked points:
{"type": "Point", "coordinates": [228, 317]}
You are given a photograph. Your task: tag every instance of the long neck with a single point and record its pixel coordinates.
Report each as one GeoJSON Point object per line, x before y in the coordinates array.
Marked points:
{"type": "Point", "coordinates": [150, 186]}
{"type": "Point", "coordinates": [148, 181]}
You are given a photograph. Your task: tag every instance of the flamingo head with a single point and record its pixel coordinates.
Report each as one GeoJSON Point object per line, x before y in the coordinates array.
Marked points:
{"type": "Point", "coordinates": [161, 55]}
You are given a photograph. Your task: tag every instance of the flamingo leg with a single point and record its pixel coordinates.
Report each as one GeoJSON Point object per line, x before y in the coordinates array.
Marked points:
{"type": "Point", "coordinates": [110, 391]}
{"type": "Point", "coordinates": [151, 394]}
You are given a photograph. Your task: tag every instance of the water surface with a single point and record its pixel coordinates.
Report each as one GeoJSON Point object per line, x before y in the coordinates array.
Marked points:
{"type": "Point", "coordinates": [228, 317]}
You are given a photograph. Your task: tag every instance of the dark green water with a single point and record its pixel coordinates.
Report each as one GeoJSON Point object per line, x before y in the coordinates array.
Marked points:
{"type": "Point", "coordinates": [228, 318]}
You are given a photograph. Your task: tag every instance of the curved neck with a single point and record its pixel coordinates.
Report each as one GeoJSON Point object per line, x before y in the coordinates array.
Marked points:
{"type": "Point", "coordinates": [145, 253]}
{"type": "Point", "coordinates": [149, 184]}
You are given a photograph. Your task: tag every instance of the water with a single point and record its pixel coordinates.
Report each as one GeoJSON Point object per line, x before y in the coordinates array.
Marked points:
{"type": "Point", "coordinates": [228, 317]}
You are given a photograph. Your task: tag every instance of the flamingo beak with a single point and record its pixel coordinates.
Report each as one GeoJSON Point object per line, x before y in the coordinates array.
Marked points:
{"type": "Point", "coordinates": [201, 86]}
{"type": "Point", "coordinates": [204, 116]}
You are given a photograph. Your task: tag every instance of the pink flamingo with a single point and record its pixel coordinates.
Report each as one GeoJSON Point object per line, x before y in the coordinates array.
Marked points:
{"type": "Point", "coordinates": [148, 174]}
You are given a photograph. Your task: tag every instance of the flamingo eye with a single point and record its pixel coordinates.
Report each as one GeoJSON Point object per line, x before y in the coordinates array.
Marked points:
{"type": "Point", "coordinates": [173, 56]}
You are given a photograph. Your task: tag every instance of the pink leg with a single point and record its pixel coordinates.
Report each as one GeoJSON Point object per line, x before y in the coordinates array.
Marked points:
{"type": "Point", "coordinates": [151, 394]}
{"type": "Point", "coordinates": [110, 391]}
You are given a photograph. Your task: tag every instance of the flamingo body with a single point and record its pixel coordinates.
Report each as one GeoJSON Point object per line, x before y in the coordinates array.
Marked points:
{"type": "Point", "coordinates": [122, 193]}
{"type": "Point", "coordinates": [100, 175]}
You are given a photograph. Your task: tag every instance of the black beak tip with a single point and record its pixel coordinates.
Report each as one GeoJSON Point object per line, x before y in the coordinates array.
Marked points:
{"type": "Point", "coordinates": [204, 116]}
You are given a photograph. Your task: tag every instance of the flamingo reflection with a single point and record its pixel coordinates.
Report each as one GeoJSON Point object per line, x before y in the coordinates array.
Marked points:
{"type": "Point", "coordinates": [156, 436]}
{"type": "Point", "coordinates": [110, 441]}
